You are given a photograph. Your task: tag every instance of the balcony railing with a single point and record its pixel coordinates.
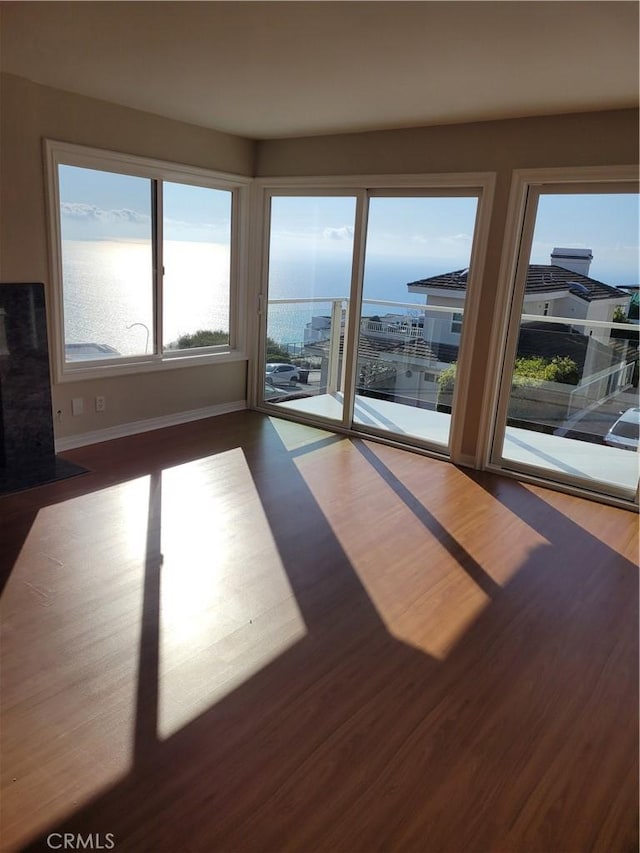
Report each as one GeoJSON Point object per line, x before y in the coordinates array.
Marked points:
{"type": "Point", "coordinates": [423, 340]}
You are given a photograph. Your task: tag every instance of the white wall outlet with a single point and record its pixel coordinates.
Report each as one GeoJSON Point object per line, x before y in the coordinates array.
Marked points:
{"type": "Point", "coordinates": [77, 406]}
{"type": "Point", "coordinates": [101, 404]}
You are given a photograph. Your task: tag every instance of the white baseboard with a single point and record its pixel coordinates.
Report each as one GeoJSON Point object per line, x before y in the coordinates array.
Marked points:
{"type": "Point", "coordinates": [122, 430]}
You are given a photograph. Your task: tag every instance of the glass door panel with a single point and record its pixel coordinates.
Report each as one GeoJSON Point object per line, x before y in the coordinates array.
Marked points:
{"type": "Point", "coordinates": [309, 280]}
{"type": "Point", "coordinates": [417, 258]}
{"type": "Point", "coordinates": [569, 408]}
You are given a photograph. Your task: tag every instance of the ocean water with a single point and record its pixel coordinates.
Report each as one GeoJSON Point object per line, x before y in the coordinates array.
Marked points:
{"type": "Point", "coordinates": [385, 279]}
{"type": "Point", "coordinates": [108, 293]}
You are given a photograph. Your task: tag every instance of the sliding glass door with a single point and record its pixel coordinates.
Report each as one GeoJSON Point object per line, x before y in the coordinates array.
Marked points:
{"type": "Point", "coordinates": [364, 297]}
{"type": "Point", "coordinates": [569, 408]}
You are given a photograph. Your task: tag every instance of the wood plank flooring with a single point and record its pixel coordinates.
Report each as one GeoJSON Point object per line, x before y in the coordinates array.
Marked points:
{"type": "Point", "coordinates": [244, 634]}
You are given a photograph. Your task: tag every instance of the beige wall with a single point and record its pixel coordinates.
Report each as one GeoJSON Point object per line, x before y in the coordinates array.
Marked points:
{"type": "Point", "coordinates": [149, 395]}
{"type": "Point", "coordinates": [583, 139]}
{"type": "Point", "coordinates": [28, 114]}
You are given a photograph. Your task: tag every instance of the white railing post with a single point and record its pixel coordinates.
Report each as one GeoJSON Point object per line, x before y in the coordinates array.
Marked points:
{"type": "Point", "coordinates": [343, 335]}
{"type": "Point", "coordinates": [333, 375]}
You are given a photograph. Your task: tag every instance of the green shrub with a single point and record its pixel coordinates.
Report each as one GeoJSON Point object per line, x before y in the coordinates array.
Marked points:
{"type": "Point", "coordinates": [212, 338]}
{"type": "Point", "coordinates": [530, 371]}
{"type": "Point", "coordinates": [619, 315]}
{"type": "Point", "coordinates": [203, 338]}
{"type": "Point", "coordinates": [535, 369]}
{"type": "Point", "coordinates": [276, 352]}
{"type": "Point", "coordinates": [447, 379]}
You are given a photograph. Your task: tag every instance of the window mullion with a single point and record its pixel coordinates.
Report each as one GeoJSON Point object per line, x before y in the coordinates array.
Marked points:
{"type": "Point", "coordinates": [513, 330]}
{"type": "Point", "coordinates": [158, 265]}
{"type": "Point", "coordinates": [354, 306]}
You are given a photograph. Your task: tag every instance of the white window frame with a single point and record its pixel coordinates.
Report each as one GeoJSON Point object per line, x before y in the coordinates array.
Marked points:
{"type": "Point", "coordinates": [479, 184]}
{"type": "Point", "coordinates": [518, 238]}
{"type": "Point", "coordinates": [61, 153]}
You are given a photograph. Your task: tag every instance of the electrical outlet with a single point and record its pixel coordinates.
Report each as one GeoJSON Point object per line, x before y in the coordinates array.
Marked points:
{"type": "Point", "coordinates": [77, 406]}
{"type": "Point", "coordinates": [101, 404]}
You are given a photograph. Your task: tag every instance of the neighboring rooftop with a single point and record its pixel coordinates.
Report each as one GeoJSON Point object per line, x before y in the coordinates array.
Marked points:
{"type": "Point", "coordinates": [541, 278]}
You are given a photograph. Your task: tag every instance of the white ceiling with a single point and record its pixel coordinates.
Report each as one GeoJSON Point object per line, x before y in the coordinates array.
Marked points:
{"type": "Point", "coordinates": [275, 69]}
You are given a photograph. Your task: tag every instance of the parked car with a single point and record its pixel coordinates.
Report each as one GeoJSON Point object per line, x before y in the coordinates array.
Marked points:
{"type": "Point", "coordinates": [625, 432]}
{"type": "Point", "coordinates": [282, 374]}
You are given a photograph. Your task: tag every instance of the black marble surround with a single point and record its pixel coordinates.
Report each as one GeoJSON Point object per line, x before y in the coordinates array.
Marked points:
{"type": "Point", "coordinates": [27, 454]}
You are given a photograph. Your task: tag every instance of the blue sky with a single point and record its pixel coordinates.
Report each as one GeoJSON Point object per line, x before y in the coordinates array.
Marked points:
{"type": "Point", "coordinates": [606, 224]}
{"type": "Point", "coordinates": [429, 228]}
{"type": "Point", "coordinates": [99, 205]}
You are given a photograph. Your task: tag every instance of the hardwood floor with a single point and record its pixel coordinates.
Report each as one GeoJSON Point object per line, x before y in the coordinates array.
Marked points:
{"type": "Point", "coordinates": [244, 634]}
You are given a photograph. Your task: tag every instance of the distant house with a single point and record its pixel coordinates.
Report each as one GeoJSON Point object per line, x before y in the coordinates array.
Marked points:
{"type": "Point", "coordinates": [562, 288]}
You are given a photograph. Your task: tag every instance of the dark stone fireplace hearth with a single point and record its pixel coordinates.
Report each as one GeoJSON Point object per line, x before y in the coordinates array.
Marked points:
{"type": "Point", "coordinates": [27, 453]}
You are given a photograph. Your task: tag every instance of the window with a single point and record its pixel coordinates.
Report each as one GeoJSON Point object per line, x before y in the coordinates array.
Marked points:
{"type": "Point", "coordinates": [569, 371]}
{"type": "Point", "coordinates": [456, 323]}
{"type": "Point", "coordinates": [145, 262]}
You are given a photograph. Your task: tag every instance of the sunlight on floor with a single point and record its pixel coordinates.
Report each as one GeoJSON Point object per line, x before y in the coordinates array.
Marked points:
{"type": "Point", "coordinates": [177, 568]}
{"type": "Point", "coordinates": [70, 628]}
{"type": "Point", "coordinates": [295, 436]}
{"type": "Point", "coordinates": [425, 598]}
{"type": "Point", "coordinates": [227, 607]}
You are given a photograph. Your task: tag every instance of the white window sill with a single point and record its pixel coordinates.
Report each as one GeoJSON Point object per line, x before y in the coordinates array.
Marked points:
{"type": "Point", "coordinates": [102, 371]}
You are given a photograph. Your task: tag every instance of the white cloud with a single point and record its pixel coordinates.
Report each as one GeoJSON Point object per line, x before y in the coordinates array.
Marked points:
{"type": "Point", "coordinates": [90, 212]}
{"type": "Point", "coordinates": [445, 239]}
{"type": "Point", "coordinates": [343, 233]}
{"type": "Point", "coordinates": [453, 239]}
